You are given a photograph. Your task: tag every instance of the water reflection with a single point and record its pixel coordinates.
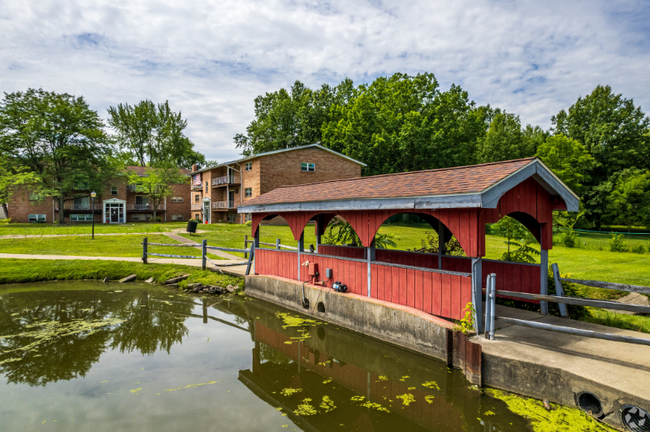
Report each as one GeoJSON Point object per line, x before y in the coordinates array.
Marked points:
{"type": "Point", "coordinates": [101, 358]}
{"type": "Point", "coordinates": [34, 352]}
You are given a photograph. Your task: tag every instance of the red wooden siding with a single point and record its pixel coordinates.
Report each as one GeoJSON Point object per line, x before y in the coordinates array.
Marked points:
{"type": "Point", "coordinates": [419, 289]}
{"type": "Point", "coordinates": [514, 277]}
{"type": "Point", "coordinates": [341, 251]}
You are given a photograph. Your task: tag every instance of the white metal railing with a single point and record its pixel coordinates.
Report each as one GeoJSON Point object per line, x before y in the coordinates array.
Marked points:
{"type": "Point", "coordinates": [80, 206]}
{"type": "Point", "coordinates": [225, 180]}
{"type": "Point", "coordinates": [223, 204]}
{"type": "Point", "coordinates": [197, 187]}
{"type": "Point", "coordinates": [144, 207]}
{"type": "Point", "coordinates": [197, 206]}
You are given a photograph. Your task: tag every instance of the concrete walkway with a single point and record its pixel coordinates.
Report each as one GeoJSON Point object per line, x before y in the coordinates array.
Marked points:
{"type": "Point", "coordinates": [234, 270]}
{"type": "Point", "coordinates": [557, 366]}
{"type": "Point", "coordinates": [181, 239]}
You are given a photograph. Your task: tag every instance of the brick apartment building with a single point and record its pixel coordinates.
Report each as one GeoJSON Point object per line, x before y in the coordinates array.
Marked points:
{"type": "Point", "coordinates": [118, 202]}
{"type": "Point", "coordinates": [218, 190]}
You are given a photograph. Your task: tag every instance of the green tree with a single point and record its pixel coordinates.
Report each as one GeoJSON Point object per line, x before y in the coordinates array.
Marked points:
{"type": "Point", "coordinates": [404, 123]}
{"type": "Point", "coordinates": [568, 159]}
{"type": "Point", "coordinates": [153, 134]}
{"type": "Point", "coordinates": [158, 184]}
{"type": "Point", "coordinates": [506, 140]}
{"type": "Point", "coordinates": [614, 132]}
{"type": "Point", "coordinates": [292, 118]}
{"type": "Point", "coordinates": [518, 240]}
{"type": "Point", "coordinates": [629, 201]}
{"type": "Point", "coordinates": [57, 139]}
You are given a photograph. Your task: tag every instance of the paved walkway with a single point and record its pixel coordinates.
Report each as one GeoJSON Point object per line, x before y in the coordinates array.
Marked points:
{"type": "Point", "coordinates": [239, 269]}
{"type": "Point", "coordinates": [575, 362]}
{"type": "Point", "coordinates": [187, 241]}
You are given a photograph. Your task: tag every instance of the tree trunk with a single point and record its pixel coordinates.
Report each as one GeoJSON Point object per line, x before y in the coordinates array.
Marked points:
{"type": "Point", "coordinates": [5, 210]}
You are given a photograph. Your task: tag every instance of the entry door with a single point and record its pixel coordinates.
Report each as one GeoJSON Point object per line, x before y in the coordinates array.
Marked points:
{"type": "Point", "coordinates": [115, 217]}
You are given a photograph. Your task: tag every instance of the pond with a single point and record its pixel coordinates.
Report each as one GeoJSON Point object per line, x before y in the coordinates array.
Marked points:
{"type": "Point", "coordinates": [89, 356]}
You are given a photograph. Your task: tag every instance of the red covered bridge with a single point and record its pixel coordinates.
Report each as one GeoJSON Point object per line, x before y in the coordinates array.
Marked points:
{"type": "Point", "coordinates": [454, 201]}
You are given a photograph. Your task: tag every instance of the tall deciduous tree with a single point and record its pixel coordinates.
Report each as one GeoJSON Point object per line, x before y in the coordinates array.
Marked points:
{"type": "Point", "coordinates": [158, 183]}
{"type": "Point", "coordinates": [291, 118]}
{"type": "Point", "coordinates": [568, 159]}
{"type": "Point", "coordinates": [505, 139]}
{"type": "Point", "coordinates": [404, 123]}
{"type": "Point", "coordinates": [16, 179]}
{"type": "Point", "coordinates": [629, 201]}
{"type": "Point", "coordinates": [153, 134]}
{"type": "Point", "coordinates": [615, 133]}
{"type": "Point", "coordinates": [58, 139]}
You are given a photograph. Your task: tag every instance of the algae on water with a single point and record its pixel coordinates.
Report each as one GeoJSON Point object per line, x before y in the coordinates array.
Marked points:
{"type": "Point", "coordinates": [558, 419]}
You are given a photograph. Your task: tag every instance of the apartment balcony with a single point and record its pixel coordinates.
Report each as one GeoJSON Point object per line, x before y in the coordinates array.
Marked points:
{"type": "Point", "coordinates": [224, 205]}
{"type": "Point", "coordinates": [226, 180]}
{"type": "Point", "coordinates": [197, 187]}
{"type": "Point", "coordinates": [144, 207]}
{"type": "Point", "coordinates": [198, 206]}
{"type": "Point", "coordinates": [80, 207]}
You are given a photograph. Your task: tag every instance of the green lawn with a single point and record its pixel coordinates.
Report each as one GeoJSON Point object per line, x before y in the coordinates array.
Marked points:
{"type": "Point", "coordinates": [112, 246]}
{"type": "Point", "coordinates": [577, 262]}
{"type": "Point", "coordinates": [44, 229]}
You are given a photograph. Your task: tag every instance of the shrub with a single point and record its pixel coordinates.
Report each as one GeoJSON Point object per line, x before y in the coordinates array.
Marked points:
{"type": "Point", "coordinates": [617, 243]}
{"type": "Point", "coordinates": [5, 221]}
{"type": "Point", "coordinates": [569, 239]}
{"type": "Point", "coordinates": [249, 223]}
{"type": "Point", "coordinates": [639, 249]}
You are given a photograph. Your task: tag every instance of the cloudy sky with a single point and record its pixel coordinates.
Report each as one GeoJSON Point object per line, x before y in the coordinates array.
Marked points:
{"type": "Point", "coordinates": [211, 58]}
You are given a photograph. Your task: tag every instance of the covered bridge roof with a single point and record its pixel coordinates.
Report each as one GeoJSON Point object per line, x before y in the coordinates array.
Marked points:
{"type": "Point", "coordinates": [472, 186]}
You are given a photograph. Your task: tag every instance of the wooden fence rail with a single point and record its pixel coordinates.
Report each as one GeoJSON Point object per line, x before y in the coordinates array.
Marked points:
{"type": "Point", "coordinates": [204, 254]}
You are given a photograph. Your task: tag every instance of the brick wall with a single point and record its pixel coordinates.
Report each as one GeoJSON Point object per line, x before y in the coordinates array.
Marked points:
{"type": "Point", "coordinates": [20, 207]}
{"type": "Point", "coordinates": [284, 168]}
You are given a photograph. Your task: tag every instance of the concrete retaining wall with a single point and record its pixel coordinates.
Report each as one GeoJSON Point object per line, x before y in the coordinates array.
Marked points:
{"type": "Point", "coordinates": [405, 327]}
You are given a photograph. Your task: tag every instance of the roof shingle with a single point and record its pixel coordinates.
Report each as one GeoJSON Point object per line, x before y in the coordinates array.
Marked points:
{"type": "Point", "coordinates": [445, 181]}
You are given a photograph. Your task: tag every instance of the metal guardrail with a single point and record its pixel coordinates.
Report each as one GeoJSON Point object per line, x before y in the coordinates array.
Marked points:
{"type": "Point", "coordinates": [562, 300]}
{"type": "Point", "coordinates": [223, 204]}
{"type": "Point", "coordinates": [145, 207]}
{"type": "Point", "coordinates": [204, 253]}
{"type": "Point", "coordinates": [76, 206]}
{"type": "Point", "coordinates": [225, 180]}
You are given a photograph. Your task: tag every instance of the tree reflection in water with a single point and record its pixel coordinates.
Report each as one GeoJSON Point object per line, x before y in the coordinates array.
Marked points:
{"type": "Point", "coordinates": [138, 320]}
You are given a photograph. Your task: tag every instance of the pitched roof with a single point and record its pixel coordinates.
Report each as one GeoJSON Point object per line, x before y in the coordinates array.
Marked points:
{"type": "Point", "coordinates": [457, 187]}
{"type": "Point", "coordinates": [247, 158]}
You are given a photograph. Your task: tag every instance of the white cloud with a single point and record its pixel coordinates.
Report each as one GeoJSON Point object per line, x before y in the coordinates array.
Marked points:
{"type": "Point", "coordinates": [210, 59]}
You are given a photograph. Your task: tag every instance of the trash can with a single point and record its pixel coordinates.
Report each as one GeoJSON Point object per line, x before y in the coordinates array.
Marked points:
{"type": "Point", "coordinates": [191, 226]}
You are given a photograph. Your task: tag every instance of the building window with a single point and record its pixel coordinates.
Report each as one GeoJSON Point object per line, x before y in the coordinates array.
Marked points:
{"type": "Point", "coordinates": [36, 218]}
{"type": "Point", "coordinates": [249, 166]}
{"type": "Point", "coordinates": [114, 190]}
{"type": "Point", "coordinates": [33, 196]}
{"type": "Point", "coordinates": [80, 185]}
{"type": "Point", "coordinates": [248, 217]}
{"type": "Point", "coordinates": [177, 217]}
{"type": "Point", "coordinates": [177, 199]}
{"type": "Point", "coordinates": [248, 192]}
{"type": "Point", "coordinates": [307, 167]}
{"type": "Point", "coordinates": [81, 218]}
{"type": "Point", "coordinates": [196, 198]}
{"type": "Point", "coordinates": [206, 187]}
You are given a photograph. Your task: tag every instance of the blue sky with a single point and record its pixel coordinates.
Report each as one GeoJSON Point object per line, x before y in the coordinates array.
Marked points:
{"type": "Point", "coordinates": [210, 59]}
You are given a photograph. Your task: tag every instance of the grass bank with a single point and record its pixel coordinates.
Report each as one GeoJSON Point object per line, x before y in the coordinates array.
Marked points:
{"type": "Point", "coordinates": [22, 271]}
